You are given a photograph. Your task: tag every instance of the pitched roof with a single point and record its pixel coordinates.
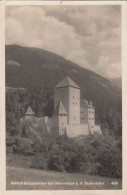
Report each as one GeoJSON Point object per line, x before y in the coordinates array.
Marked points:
{"type": "Point", "coordinates": [85, 104]}
{"type": "Point", "coordinates": [29, 111]}
{"type": "Point", "coordinates": [60, 109]}
{"type": "Point", "coordinates": [67, 82]}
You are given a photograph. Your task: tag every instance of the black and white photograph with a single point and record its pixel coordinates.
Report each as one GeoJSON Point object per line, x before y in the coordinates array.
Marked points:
{"type": "Point", "coordinates": [63, 97]}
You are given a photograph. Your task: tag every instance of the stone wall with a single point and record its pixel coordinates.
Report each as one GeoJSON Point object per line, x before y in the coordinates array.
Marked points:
{"type": "Point", "coordinates": [77, 130]}
{"type": "Point", "coordinates": [74, 105]}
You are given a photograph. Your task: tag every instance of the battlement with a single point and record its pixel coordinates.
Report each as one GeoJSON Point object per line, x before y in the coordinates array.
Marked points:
{"type": "Point", "coordinates": [73, 130]}
{"type": "Point", "coordinates": [77, 125]}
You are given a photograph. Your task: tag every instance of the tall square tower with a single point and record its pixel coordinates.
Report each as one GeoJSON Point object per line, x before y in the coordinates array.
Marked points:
{"type": "Point", "coordinates": [69, 93]}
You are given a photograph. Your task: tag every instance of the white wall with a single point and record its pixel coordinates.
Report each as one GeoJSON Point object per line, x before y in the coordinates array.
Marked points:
{"type": "Point", "coordinates": [84, 115]}
{"type": "Point", "coordinates": [77, 130]}
{"type": "Point", "coordinates": [91, 116]}
{"type": "Point", "coordinates": [88, 115]}
{"type": "Point", "coordinates": [62, 124]}
{"type": "Point", "coordinates": [74, 105]}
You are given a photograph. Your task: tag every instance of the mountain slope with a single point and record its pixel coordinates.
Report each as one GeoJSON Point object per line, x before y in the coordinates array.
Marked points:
{"type": "Point", "coordinates": [31, 66]}
{"type": "Point", "coordinates": [117, 82]}
{"type": "Point", "coordinates": [40, 70]}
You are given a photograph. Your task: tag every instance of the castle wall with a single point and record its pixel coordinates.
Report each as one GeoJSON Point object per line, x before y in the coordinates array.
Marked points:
{"type": "Point", "coordinates": [74, 105]}
{"type": "Point", "coordinates": [88, 115]}
{"type": "Point", "coordinates": [91, 116]}
{"type": "Point", "coordinates": [84, 115]}
{"type": "Point", "coordinates": [55, 126]}
{"type": "Point", "coordinates": [50, 123]}
{"type": "Point", "coordinates": [29, 116]}
{"type": "Point", "coordinates": [62, 124]}
{"type": "Point", "coordinates": [77, 130]}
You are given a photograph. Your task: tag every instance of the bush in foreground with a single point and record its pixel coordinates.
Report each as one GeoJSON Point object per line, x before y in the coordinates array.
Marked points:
{"type": "Point", "coordinates": [39, 162]}
{"type": "Point", "coordinates": [95, 155]}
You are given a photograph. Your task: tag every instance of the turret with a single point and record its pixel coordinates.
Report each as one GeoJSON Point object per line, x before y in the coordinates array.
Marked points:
{"type": "Point", "coordinates": [29, 113]}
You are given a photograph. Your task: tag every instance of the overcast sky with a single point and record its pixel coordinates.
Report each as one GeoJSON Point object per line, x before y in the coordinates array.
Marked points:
{"type": "Point", "coordinates": [87, 35]}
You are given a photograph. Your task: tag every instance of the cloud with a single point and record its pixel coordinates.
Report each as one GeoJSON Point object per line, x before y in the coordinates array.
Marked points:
{"type": "Point", "coordinates": [112, 70]}
{"type": "Point", "coordinates": [87, 35]}
{"type": "Point", "coordinates": [30, 26]}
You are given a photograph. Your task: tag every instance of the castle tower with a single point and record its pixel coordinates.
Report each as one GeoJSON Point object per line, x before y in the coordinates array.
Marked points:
{"type": "Point", "coordinates": [29, 113]}
{"type": "Point", "coordinates": [60, 118]}
{"type": "Point", "coordinates": [69, 93]}
{"type": "Point", "coordinates": [87, 113]}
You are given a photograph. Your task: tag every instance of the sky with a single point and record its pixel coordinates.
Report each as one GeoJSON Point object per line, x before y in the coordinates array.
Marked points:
{"type": "Point", "coordinates": [88, 35]}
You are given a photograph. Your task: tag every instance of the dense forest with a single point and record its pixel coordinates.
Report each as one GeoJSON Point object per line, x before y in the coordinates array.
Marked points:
{"type": "Point", "coordinates": [41, 101]}
{"type": "Point", "coordinates": [38, 71]}
{"type": "Point", "coordinates": [31, 75]}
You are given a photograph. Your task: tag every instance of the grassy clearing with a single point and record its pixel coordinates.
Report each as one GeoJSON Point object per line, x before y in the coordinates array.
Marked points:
{"type": "Point", "coordinates": [18, 170]}
{"type": "Point", "coordinates": [15, 160]}
{"type": "Point", "coordinates": [49, 180]}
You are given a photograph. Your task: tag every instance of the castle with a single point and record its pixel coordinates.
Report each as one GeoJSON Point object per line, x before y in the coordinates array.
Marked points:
{"type": "Point", "coordinates": [72, 116]}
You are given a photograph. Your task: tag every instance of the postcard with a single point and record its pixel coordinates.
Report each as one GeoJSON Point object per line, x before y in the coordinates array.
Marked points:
{"type": "Point", "coordinates": [63, 97]}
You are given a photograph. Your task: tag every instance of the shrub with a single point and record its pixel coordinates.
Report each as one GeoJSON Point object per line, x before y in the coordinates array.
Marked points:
{"type": "Point", "coordinates": [10, 144]}
{"type": "Point", "coordinates": [83, 162]}
{"type": "Point", "coordinates": [110, 163]}
{"type": "Point", "coordinates": [10, 140]}
{"type": "Point", "coordinates": [56, 163]}
{"type": "Point", "coordinates": [88, 168]}
{"type": "Point", "coordinates": [39, 162]}
{"type": "Point", "coordinates": [24, 146]}
{"type": "Point", "coordinates": [96, 154]}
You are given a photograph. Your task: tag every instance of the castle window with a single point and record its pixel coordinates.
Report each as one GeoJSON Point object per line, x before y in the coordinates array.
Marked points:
{"type": "Point", "coordinates": [89, 118]}
{"type": "Point", "coordinates": [73, 97]}
{"type": "Point", "coordinates": [63, 96]}
{"type": "Point", "coordinates": [74, 118]}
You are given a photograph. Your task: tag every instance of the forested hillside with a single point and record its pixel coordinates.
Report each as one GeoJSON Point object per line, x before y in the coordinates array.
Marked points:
{"type": "Point", "coordinates": [38, 71]}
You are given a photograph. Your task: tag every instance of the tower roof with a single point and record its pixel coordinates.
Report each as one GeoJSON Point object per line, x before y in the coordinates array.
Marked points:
{"type": "Point", "coordinates": [85, 104]}
{"type": "Point", "coordinates": [29, 111]}
{"type": "Point", "coordinates": [67, 82]}
{"type": "Point", "coordinates": [60, 109]}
